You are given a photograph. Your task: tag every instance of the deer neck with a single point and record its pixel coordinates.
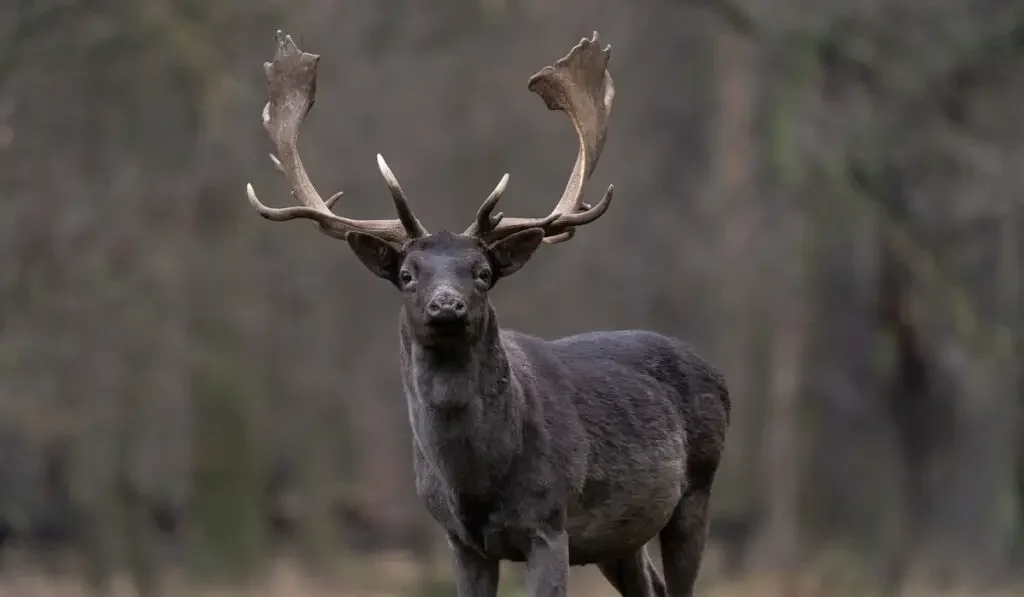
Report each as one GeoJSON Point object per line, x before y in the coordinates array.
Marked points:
{"type": "Point", "coordinates": [465, 408]}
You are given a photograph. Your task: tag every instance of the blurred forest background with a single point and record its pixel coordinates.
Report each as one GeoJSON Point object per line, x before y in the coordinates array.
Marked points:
{"type": "Point", "coordinates": [823, 197]}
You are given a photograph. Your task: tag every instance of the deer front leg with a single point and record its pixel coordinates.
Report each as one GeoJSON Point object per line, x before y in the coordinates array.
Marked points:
{"type": "Point", "coordinates": [475, 575]}
{"type": "Point", "coordinates": [547, 565]}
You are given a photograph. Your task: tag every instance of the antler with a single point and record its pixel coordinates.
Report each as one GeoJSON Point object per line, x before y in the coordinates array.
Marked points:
{"type": "Point", "coordinates": [291, 79]}
{"type": "Point", "coordinates": [578, 84]}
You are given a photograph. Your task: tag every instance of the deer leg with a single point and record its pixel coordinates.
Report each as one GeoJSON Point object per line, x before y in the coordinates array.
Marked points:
{"type": "Point", "coordinates": [634, 576]}
{"type": "Point", "coordinates": [475, 575]}
{"type": "Point", "coordinates": [682, 541]}
{"type": "Point", "coordinates": [547, 565]}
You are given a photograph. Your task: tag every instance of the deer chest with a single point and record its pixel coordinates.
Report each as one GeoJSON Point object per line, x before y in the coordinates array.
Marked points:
{"type": "Point", "coordinates": [487, 526]}
{"type": "Point", "coordinates": [493, 531]}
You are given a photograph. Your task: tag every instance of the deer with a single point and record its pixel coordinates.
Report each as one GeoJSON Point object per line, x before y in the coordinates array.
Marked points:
{"type": "Point", "coordinates": [551, 453]}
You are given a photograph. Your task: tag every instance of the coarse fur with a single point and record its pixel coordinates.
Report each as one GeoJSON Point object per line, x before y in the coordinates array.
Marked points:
{"type": "Point", "coordinates": [551, 452]}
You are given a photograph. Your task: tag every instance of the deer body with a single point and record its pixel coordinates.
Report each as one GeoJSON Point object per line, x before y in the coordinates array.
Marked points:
{"type": "Point", "coordinates": [599, 438]}
{"type": "Point", "coordinates": [555, 453]}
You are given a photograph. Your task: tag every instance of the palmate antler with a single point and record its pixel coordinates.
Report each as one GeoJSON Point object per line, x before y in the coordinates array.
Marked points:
{"type": "Point", "coordinates": [578, 84]}
{"type": "Point", "coordinates": [291, 79]}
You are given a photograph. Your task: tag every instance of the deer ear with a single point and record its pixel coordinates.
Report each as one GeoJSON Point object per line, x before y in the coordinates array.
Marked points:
{"type": "Point", "coordinates": [378, 256]}
{"type": "Point", "coordinates": [512, 252]}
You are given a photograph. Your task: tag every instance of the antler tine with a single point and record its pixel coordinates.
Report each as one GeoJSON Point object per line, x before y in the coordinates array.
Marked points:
{"type": "Point", "coordinates": [580, 85]}
{"type": "Point", "coordinates": [405, 213]}
{"type": "Point", "coordinates": [291, 82]}
{"type": "Point", "coordinates": [484, 219]}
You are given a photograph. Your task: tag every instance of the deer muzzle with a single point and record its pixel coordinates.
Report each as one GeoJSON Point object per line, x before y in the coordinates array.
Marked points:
{"type": "Point", "coordinates": [446, 307]}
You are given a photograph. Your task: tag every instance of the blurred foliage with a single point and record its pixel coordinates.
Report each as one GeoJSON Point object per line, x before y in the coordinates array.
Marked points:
{"type": "Point", "coordinates": [823, 197]}
{"type": "Point", "coordinates": [230, 473]}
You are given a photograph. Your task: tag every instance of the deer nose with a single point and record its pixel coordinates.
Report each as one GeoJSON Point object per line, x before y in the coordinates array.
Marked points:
{"type": "Point", "coordinates": [446, 307]}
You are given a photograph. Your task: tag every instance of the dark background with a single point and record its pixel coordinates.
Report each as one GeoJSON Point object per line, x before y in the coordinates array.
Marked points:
{"type": "Point", "coordinates": [824, 197]}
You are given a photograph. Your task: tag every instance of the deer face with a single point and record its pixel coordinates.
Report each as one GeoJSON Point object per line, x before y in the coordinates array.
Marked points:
{"type": "Point", "coordinates": [445, 277]}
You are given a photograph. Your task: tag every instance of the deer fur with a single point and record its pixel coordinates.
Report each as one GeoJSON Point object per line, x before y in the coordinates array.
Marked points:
{"type": "Point", "coordinates": [573, 451]}
{"type": "Point", "coordinates": [584, 448]}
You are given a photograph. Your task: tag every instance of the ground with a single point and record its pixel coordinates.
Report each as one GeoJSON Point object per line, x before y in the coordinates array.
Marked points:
{"type": "Point", "coordinates": [396, 576]}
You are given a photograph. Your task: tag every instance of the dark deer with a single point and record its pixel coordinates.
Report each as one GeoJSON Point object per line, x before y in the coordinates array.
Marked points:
{"type": "Point", "coordinates": [550, 452]}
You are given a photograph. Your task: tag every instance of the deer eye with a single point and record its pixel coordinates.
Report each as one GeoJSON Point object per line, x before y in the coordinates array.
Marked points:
{"type": "Point", "coordinates": [405, 277]}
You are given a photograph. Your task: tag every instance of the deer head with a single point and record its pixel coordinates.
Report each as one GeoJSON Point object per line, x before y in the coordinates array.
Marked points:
{"type": "Point", "coordinates": [445, 277]}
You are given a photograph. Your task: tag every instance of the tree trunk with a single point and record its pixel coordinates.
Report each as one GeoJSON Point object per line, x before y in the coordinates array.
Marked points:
{"type": "Point", "coordinates": [782, 462]}
{"type": "Point", "coordinates": [729, 206]}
